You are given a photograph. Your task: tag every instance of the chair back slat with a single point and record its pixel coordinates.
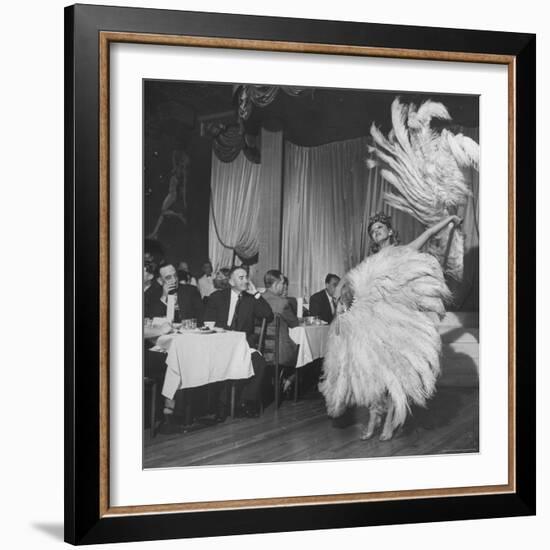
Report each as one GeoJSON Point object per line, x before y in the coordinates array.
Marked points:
{"type": "Point", "coordinates": [271, 341]}
{"type": "Point", "coordinates": [260, 331]}
{"type": "Point", "coordinates": [269, 347]}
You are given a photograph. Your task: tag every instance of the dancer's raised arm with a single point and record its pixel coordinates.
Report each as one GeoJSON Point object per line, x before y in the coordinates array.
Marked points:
{"type": "Point", "coordinates": [420, 241]}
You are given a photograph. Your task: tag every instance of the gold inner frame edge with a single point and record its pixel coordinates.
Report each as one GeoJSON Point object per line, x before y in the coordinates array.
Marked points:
{"type": "Point", "coordinates": [108, 37]}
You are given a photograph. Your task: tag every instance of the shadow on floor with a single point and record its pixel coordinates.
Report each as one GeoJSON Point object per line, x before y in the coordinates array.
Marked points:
{"type": "Point", "coordinates": [53, 530]}
{"type": "Point", "coordinates": [440, 411]}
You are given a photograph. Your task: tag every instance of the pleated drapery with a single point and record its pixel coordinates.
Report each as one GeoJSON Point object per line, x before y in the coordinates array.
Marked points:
{"type": "Point", "coordinates": [323, 201]}
{"type": "Point", "coordinates": [234, 196]}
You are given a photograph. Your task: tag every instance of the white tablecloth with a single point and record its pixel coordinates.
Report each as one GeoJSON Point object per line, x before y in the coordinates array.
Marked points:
{"type": "Point", "coordinates": [197, 359]}
{"type": "Point", "coordinates": [312, 340]}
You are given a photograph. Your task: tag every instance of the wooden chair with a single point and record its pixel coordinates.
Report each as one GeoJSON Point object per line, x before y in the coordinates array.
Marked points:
{"type": "Point", "coordinates": [151, 383]}
{"type": "Point", "coordinates": [261, 332]}
{"type": "Point", "coordinates": [268, 345]}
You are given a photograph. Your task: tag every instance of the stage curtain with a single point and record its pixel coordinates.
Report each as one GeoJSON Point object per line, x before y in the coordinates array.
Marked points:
{"type": "Point", "coordinates": [269, 215]}
{"type": "Point", "coordinates": [228, 144]}
{"type": "Point", "coordinates": [329, 195]}
{"type": "Point", "coordinates": [324, 193]}
{"type": "Point", "coordinates": [234, 197]}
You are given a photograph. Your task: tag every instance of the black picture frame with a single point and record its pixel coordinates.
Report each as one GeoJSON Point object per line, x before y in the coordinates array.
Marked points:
{"type": "Point", "coordinates": [87, 519]}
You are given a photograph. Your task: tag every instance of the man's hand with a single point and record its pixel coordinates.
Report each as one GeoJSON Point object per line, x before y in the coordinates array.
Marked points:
{"type": "Point", "coordinates": [251, 288]}
{"type": "Point", "coordinates": [152, 333]}
{"type": "Point", "coordinates": [169, 288]}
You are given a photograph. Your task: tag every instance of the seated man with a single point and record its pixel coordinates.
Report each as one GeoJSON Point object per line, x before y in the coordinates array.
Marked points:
{"type": "Point", "coordinates": [188, 303]}
{"type": "Point", "coordinates": [323, 303]}
{"type": "Point", "coordinates": [221, 279]}
{"type": "Point", "coordinates": [185, 275]}
{"type": "Point", "coordinates": [237, 308]}
{"type": "Point", "coordinates": [280, 305]}
{"type": "Point", "coordinates": [152, 291]}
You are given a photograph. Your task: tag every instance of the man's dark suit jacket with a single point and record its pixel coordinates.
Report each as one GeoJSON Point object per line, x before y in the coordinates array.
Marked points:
{"type": "Point", "coordinates": [151, 296]}
{"type": "Point", "coordinates": [189, 303]}
{"type": "Point", "coordinates": [249, 309]}
{"type": "Point", "coordinates": [293, 303]}
{"type": "Point", "coordinates": [319, 306]}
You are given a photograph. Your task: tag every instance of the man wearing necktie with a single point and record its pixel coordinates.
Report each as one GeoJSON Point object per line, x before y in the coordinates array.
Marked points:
{"type": "Point", "coordinates": [323, 303]}
{"type": "Point", "coordinates": [187, 300]}
{"type": "Point", "coordinates": [237, 308]}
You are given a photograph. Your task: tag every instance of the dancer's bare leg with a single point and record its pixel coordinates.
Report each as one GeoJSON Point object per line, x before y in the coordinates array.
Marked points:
{"type": "Point", "coordinates": [387, 431]}
{"type": "Point", "coordinates": [178, 215]}
{"type": "Point", "coordinates": [155, 232]}
{"type": "Point", "coordinates": [166, 214]}
{"type": "Point", "coordinates": [374, 422]}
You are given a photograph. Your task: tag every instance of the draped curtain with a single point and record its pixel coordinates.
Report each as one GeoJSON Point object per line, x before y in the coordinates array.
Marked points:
{"type": "Point", "coordinates": [228, 143]}
{"type": "Point", "coordinates": [234, 196]}
{"type": "Point", "coordinates": [323, 199]}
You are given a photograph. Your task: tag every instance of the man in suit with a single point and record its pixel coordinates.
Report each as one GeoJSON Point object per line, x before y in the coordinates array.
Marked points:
{"type": "Point", "coordinates": [237, 308]}
{"type": "Point", "coordinates": [273, 295]}
{"type": "Point", "coordinates": [152, 291]}
{"type": "Point", "coordinates": [188, 303]}
{"type": "Point", "coordinates": [323, 304]}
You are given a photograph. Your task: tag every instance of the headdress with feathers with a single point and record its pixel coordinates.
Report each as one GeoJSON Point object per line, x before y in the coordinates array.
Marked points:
{"type": "Point", "coordinates": [386, 220]}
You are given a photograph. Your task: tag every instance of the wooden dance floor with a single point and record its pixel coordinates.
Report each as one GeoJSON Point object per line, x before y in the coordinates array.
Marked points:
{"type": "Point", "coordinates": [302, 431]}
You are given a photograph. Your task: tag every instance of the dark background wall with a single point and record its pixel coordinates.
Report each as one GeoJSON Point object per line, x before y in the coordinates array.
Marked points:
{"type": "Point", "coordinates": [167, 130]}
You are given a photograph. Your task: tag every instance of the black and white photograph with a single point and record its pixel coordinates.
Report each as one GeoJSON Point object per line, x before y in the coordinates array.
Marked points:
{"type": "Point", "coordinates": [310, 273]}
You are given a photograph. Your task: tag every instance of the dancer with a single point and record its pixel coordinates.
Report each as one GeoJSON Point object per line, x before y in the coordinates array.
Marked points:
{"type": "Point", "coordinates": [383, 347]}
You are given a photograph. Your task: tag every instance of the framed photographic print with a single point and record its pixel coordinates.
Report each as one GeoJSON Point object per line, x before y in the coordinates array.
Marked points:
{"type": "Point", "coordinates": [299, 276]}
